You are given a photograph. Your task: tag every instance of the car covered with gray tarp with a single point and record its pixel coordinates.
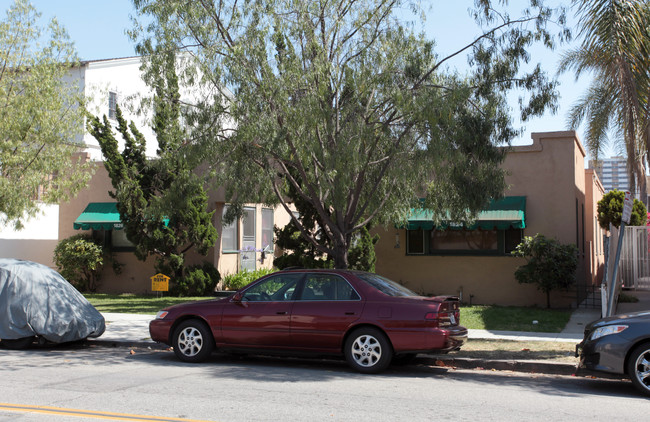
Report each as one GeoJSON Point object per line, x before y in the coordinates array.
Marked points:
{"type": "Point", "coordinates": [36, 301]}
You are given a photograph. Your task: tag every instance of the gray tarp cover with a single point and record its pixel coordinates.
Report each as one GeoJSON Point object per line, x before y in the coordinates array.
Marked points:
{"type": "Point", "coordinates": [36, 300]}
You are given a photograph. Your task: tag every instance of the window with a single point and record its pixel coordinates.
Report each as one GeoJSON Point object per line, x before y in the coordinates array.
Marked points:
{"type": "Point", "coordinates": [277, 288]}
{"type": "Point", "coordinates": [415, 242]}
{"type": "Point", "coordinates": [328, 287]}
{"type": "Point", "coordinates": [462, 242]}
{"type": "Point", "coordinates": [386, 286]}
{"type": "Point", "coordinates": [119, 240]}
{"type": "Point", "coordinates": [114, 239]}
{"type": "Point", "coordinates": [249, 223]}
{"type": "Point", "coordinates": [513, 237]}
{"type": "Point", "coordinates": [267, 229]}
{"type": "Point", "coordinates": [248, 261]}
{"type": "Point", "coordinates": [112, 105]}
{"type": "Point", "coordinates": [229, 236]}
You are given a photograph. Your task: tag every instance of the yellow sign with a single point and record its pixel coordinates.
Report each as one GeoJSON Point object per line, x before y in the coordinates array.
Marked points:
{"type": "Point", "coordinates": [160, 283]}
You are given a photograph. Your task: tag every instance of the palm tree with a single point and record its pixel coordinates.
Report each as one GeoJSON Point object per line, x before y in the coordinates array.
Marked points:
{"type": "Point", "coordinates": [615, 50]}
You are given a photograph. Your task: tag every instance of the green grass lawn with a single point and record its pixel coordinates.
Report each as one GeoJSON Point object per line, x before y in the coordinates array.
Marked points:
{"type": "Point", "coordinates": [512, 318]}
{"type": "Point", "coordinates": [481, 317]}
{"type": "Point", "coordinates": [135, 304]}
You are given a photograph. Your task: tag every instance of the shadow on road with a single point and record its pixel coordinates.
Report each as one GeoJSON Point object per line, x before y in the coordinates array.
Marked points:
{"type": "Point", "coordinates": [297, 370]}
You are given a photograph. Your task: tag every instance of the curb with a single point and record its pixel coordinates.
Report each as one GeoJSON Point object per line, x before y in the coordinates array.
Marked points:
{"type": "Point", "coordinates": [533, 367]}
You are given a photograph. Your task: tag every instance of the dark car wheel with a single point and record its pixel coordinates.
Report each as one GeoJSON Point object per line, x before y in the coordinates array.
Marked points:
{"type": "Point", "coordinates": [193, 341]}
{"type": "Point", "coordinates": [18, 344]}
{"type": "Point", "coordinates": [368, 350]}
{"type": "Point", "coordinates": [638, 368]}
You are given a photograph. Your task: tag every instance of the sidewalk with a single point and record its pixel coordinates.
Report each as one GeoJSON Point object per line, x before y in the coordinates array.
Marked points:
{"type": "Point", "coordinates": [133, 329]}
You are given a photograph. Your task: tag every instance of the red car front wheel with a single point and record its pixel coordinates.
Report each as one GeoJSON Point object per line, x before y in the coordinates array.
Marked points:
{"type": "Point", "coordinates": [193, 341]}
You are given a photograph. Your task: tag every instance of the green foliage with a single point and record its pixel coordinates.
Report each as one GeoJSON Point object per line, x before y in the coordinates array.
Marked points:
{"type": "Point", "coordinates": [610, 210]}
{"type": "Point", "coordinates": [243, 278]}
{"type": "Point", "coordinates": [199, 280]}
{"type": "Point", "coordinates": [362, 253]}
{"type": "Point", "coordinates": [80, 261]}
{"type": "Point", "coordinates": [514, 318]}
{"type": "Point", "coordinates": [614, 53]}
{"type": "Point", "coordinates": [627, 298]}
{"type": "Point", "coordinates": [300, 252]}
{"type": "Point", "coordinates": [551, 265]}
{"type": "Point", "coordinates": [348, 107]}
{"type": "Point", "coordinates": [150, 191]}
{"type": "Point", "coordinates": [40, 114]}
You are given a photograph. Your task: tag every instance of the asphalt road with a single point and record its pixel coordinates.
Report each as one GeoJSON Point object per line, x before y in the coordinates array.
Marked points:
{"type": "Point", "coordinates": [74, 383]}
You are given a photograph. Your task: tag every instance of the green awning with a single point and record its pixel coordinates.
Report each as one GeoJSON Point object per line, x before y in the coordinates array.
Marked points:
{"type": "Point", "coordinates": [99, 216]}
{"type": "Point", "coordinates": [502, 214]}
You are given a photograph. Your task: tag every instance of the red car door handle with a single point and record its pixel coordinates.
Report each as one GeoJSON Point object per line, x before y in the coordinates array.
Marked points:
{"type": "Point", "coordinates": [350, 313]}
{"type": "Point", "coordinates": [281, 313]}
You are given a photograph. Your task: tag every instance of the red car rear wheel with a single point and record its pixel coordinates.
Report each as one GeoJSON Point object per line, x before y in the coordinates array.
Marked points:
{"type": "Point", "coordinates": [368, 350]}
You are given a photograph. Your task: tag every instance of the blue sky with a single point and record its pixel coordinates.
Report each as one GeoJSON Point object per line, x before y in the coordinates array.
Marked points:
{"type": "Point", "coordinates": [98, 29]}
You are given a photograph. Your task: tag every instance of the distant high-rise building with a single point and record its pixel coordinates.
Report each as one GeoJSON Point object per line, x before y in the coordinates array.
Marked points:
{"type": "Point", "coordinates": [612, 172]}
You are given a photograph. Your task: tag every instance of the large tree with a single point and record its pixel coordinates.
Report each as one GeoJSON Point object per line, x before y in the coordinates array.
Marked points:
{"type": "Point", "coordinates": [150, 191]}
{"type": "Point", "coordinates": [40, 116]}
{"type": "Point", "coordinates": [344, 103]}
{"type": "Point", "coordinates": [614, 49]}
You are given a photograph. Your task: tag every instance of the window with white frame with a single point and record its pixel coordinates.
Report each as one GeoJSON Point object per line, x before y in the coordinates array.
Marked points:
{"type": "Point", "coordinates": [229, 235]}
{"type": "Point", "coordinates": [112, 105]}
{"type": "Point", "coordinates": [267, 229]}
{"type": "Point", "coordinates": [248, 261]}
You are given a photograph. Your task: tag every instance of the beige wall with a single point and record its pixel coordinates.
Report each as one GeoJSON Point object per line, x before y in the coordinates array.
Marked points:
{"type": "Point", "coordinates": [550, 173]}
{"type": "Point", "coordinates": [595, 254]}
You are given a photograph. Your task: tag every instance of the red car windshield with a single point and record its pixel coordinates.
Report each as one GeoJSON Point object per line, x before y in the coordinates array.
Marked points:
{"type": "Point", "coordinates": [386, 286]}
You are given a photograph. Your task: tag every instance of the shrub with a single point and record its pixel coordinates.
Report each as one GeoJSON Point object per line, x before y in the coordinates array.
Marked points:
{"type": "Point", "coordinates": [80, 261]}
{"type": "Point", "coordinates": [199, 280]}
{"type": "Point", "coordinates": [361, 255]}
{"type": "Point", "coordinates": [238, 280]}
{"type": "Point", "coordinates": [551, 265]}
{"type": "Point", "coordinates": [610, 210]}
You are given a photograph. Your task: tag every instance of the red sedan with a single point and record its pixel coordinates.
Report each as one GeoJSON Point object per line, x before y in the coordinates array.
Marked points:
{"type": "Point", "coordinates": [365, 317]}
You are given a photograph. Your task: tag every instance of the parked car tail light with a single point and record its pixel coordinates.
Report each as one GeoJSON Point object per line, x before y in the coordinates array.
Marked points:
{"type": "Point", "coordinates": [443, 318]}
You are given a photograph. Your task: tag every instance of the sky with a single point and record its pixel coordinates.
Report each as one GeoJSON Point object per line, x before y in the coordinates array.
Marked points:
{"type": "Point", "coordinates": [98, 29]}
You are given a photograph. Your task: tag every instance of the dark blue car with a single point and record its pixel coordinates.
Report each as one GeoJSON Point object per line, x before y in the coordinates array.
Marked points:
{"type": "Point", "coordinates": [619, 344]}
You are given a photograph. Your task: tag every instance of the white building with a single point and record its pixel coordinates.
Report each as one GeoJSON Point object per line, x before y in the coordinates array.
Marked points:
{"type": "Point", "coordinates": [102, 82]}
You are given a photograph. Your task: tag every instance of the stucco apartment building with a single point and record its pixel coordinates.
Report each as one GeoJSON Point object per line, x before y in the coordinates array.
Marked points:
{"type": "Point", "coordinates": [550, 192]}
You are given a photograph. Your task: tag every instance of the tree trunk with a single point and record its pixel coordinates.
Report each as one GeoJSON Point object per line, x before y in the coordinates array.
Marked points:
{"type": "Point", "coordinates": [340, 256]}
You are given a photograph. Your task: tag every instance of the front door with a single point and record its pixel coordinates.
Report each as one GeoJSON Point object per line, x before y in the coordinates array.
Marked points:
{"type": "Point", "coordinates": [263, 315]}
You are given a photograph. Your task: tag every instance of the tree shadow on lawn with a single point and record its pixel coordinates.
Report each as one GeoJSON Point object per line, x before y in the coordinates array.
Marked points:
{"type": "Point", "coordinates": [510, 318]}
